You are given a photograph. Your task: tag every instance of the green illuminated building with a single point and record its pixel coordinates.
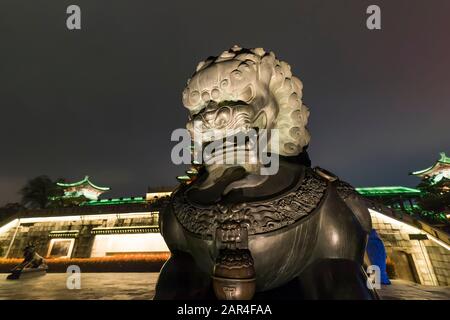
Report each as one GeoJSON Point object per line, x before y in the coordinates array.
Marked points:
{"type": "Point", "coordinates": [396, 197]}
{"type": "Point", "coordinates": [84, 188]}
{"type": "Point", "coordinates": [434, 185]}
{"type": "Point", "coordinates": [439, 172]}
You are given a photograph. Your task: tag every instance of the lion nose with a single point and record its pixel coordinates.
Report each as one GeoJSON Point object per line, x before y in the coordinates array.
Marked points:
{"type": "Point", "coordinates": [215, 116]}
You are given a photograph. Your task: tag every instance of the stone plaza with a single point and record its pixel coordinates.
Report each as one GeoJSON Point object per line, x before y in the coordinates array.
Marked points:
{"type": "Point", "coordinates": [141, 286]}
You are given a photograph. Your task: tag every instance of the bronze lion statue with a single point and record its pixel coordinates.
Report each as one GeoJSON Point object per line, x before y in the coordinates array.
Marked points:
{"type": "Point", "coordinates": [235, 233]}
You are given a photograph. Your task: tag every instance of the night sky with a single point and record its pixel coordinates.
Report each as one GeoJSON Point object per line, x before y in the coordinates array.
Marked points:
{"type": "Point", "coordinates": [104, 100]}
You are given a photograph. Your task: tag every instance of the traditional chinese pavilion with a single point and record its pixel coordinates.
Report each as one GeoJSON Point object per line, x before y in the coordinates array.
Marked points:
{"type": "Point", "coordinates": [439, 172]}
{"type": "Point", "coordinates": [83, 188]}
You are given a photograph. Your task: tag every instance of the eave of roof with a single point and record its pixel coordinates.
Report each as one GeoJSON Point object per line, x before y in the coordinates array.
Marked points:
{"type": "Point", "coordinates": [388, 191]}
{"type": "Point", "coordinates": [84, 181]}
{"type": "Point", "coordinates": [442, 160]}
{"type": "Point", "coordinates": [105, 202]}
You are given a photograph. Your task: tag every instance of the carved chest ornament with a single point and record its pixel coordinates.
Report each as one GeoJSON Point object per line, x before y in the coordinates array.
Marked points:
{"type": "Point", "coordinates": [233, 222]}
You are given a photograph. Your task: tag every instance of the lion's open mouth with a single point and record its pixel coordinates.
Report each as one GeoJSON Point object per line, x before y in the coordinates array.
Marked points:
{"type": "Point", "coordinates": [227, 130]}
{"type": "Point", "coordinates": [232, 147]}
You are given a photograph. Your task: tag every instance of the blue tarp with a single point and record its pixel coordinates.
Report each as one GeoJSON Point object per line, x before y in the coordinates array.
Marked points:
{"type": "Point", "coordinates": [377, 255]}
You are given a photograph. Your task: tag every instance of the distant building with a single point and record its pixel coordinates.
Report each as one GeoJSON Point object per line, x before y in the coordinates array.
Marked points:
{"type": "Point", "coordinates": [95, 228]}
{"type": "Point", "coordinates": [395, 197]}
{"type": "Point", "coordinates": [418, 250]}
{"type": "Point", "coordinates": [438, 173]}
{"type": "Point", "coordinates": [84, 188]}
{"type": "Point", "coordinates": [405, 199]}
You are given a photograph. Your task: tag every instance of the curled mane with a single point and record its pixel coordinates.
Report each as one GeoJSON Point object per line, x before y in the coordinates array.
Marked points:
{"type": "Point", "coordinates": [284, 88]}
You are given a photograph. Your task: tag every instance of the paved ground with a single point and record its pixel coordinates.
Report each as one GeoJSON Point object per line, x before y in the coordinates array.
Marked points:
{"type": "Point", "coordinates": [129, 286]}
{"type": "Point", "coordinates": [109, 286]}
{"type": "Point", "coordinates": [405, 290]}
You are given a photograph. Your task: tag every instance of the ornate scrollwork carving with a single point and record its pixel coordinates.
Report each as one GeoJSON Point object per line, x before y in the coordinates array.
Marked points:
{"type": "Point", "coordinates": [345, 189]}
{"type": "Point", "coordinates": [256, 217]}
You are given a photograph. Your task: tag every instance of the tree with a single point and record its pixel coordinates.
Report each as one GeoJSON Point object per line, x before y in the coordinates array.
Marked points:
{"type": "Point", "coordinates": [39, 192]}
{"type": "Point", "coordinates": [12, 206]}
{"type": "Point", "coordinates": [435, 202]}
{"type": "Point", "coordinates": [63, 202]}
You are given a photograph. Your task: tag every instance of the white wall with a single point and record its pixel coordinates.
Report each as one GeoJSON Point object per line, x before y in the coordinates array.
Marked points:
{"type": "Point", "coordinates": [128, 243]}
{"type": "Point", "coordinates": [431, 257]}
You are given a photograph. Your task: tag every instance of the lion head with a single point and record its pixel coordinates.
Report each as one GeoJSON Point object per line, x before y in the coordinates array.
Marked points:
{"type": "Point", "coordinates": [248, 88]}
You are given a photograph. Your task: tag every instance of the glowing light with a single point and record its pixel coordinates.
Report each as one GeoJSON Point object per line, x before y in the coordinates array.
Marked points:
{"type": "Point", "coordinates": [123, 230]}
{"type": "Point", "coordinates": [334, 237]}
{"type": "Point", "coordinates": [79, 183]}
{"type": "Point", "coordinates": [105, 202]}
{"type": "Point", "coordinates": [111, 244]}
{"type": "Point", "coordinates": [387, 191]}
{"type": "Point", "coordinates": [5, 228]}
{"type": "Point", "coordinates": [408, 228]}
{"type": "Point", "coordinates": [436, 172]}
{"type": "Point", "coordinates": [82, 188]}
{"type": "Point", "coordinates": [13, 223]}
{"type": "Point", "coordinates": [64, 234]}
{"type": "Point", "coordinates": [156, 195]}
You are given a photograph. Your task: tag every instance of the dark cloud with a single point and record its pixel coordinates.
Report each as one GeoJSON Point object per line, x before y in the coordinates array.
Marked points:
{"type": "Point", "coordinates": [104, 100]}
